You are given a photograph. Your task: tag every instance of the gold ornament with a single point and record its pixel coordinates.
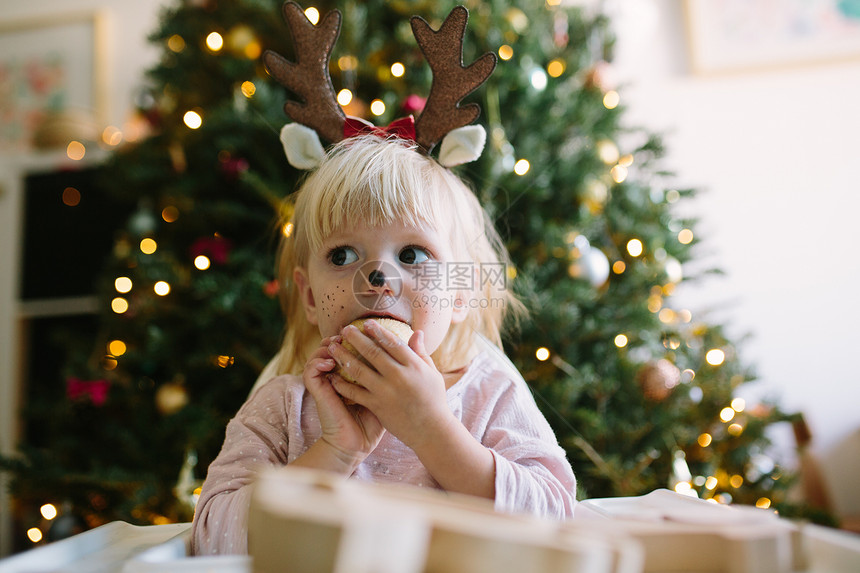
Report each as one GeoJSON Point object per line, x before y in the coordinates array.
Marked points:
{"type": "Point", "coordinates": [170, 398]}
{"type": "Point", "coordinates": [657, 379]}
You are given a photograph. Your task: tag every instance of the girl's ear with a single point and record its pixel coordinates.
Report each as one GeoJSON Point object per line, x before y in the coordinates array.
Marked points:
{"type": "Point", "coordinates": [306, 295]}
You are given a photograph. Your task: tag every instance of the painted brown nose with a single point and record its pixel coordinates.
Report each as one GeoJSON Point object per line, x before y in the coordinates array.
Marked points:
{"type": "Point", "coordinates": [376, 278]}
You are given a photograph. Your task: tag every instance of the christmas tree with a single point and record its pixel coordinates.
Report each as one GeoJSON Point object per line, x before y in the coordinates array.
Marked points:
{"type": "Point", "coordinates": [641, 393]}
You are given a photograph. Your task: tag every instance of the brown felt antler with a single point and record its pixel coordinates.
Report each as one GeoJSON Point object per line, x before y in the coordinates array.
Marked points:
{"type": "Point", "coordinates": [309, 76]}
{"type": "Point", "coordinates": [443, 50]}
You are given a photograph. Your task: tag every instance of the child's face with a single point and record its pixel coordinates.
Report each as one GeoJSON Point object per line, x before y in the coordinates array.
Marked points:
{"type": "Point", "coordinates": [395, 270]}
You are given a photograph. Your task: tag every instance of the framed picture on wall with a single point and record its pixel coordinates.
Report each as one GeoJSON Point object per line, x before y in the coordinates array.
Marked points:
{"type": "Point", "coordinates": [51, 67]}
{"type": "Point", "coordinates": [739, 35]}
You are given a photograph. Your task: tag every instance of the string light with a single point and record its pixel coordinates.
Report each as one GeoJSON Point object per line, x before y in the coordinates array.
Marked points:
{"type": "Point", "coordinates": [621, 341]}
{"type": "Point", "coordinates": [248, 89]}
{"type": "Point", "coordinates": [521, 167]}
{"type": "Point", "coordinates": [704, 439]}
{"type": "Point", "coordinates": [618, 173]}
{"type": "Point", "coordinates": [538, 79]}
{"type": "Point", "coordinates": [542, 354]}
{"type": "Point", "coordinates": [634, 247]}
{"type": "Point", "coordinates": [762, 503]}
{"type": "Point", "coordinates": [313, 15]}
{"type": "Point", "coordinates": [736, 481]}
{"type": "Point", "coordinates": [119, 305]}
{"type": "Point", "coordinates": [715, 357]}
{"type": "Point", "coordinates": [48, 511]}
{"type": "Point", "coordinates": [608, 152]}
{"type": "Point", "coordinates": [344, 96]}
{"type": "Point", "coordinates": [611, 99]}
{"type": "Point", "coordinates": [34, 534]}
{"type": "Point", "coordinates": [122, 284]}
{"type": "Point", "coordinates": [116, 347]}
{"type": "Point", "coordinates": [148, 246]}
{"type": "Point", "coordinates": [685, 236]}
{"type": "Point", "coordinates": [112, 136]}
{"type": "Point", "coordinates": [735, 429]}
{"type": "Point", "coordinates": [711, 482]}
{"type": "Point", "coordinates": [556, 67]}
{"type": "Point", "coordinates": [347, 63]}
{"type": "Point", "coordinates": [214, 41]}
{"type": "Point", "coordinates": [201, 262]}
{"type": "Point", "coordinates": [398, 69]}
{"type": "Point", "coordinates": [377, 107]}
{"type": "Point", "coordinates": [192, 119]}
{"type": "Point", "coordinates": [726, 414]}
{"type": "Point", "coordinates": [506, 52]}
{"type": "Point", "coordinates": [161, 288]}
{"type": "Point", "coordinates": [288, 229]}
{"type": "Point", "coordinates": [225, 361]}
{"type": "Point", "coordinates": [739, 404]}
{"type": "Point", "coordinates": [619, 267]}
{"type": "Point", "coordinates": [75, 150]}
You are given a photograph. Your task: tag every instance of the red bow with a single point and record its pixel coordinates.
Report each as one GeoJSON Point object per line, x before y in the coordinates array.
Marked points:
{"type": "Point", "coordinates": [403, 128]}
{"type": "Point", "coordinates": [95, 390]}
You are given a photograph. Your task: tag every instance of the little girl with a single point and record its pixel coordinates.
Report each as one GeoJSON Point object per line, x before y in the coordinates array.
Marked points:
{"type": "Point", "coordinates": [380, 230]}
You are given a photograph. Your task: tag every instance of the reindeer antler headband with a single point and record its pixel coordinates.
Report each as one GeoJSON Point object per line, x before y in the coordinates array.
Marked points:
{"type": "Point", "coordinates": [319, 115]}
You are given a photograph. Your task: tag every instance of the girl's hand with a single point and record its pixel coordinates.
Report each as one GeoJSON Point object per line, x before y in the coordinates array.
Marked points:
{"type": "Point", "coordinates": [350, 433]}
{"type": "Point", "coordinates": [406, 392]}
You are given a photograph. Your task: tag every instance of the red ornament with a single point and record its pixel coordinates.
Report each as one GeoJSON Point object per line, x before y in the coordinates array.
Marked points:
{"type": "Point", "coordinates": [414, 104]}
{"type": "Point", "coordinates": [216, 248]}
{"type": "Point", "coordinates": [95, 391]}
{"type": "Point", "coordinates": [234, 166]}
{"type": "Point", "coordinates": [272, 288]}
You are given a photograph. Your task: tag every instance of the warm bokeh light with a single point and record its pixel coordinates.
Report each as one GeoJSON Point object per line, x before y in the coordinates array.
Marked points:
{"type": "Point", "coordinates": [542, 353]}
{"type": "Point", "coordinates": [119, 305]}
{"type": "Point", "coordinates": [116, 347]}
{"type": "Point", "coordinates": [762, 503]}
{"type": "Point", "coordinates": [192, 119]}
{"type": "Point", "coordinates": [170, 214]}
{"type": "Point", "coordinates": [201, 262]}
{"type": "Point", "coordinates": [225, 361]}
{"type": "Point", "coordinates": [377, 107]}
{"type": "Point", "coordinates": [288, 229]}
{"type": "Point", "coordinates": [739, 404]}
{"type": "Point", "coordinates": [122, 284]}
{"type": "Point", "coordinates": [161, 288]}
{"type": "Point", "coordinates": [313, 15]}
{"type": "Point", "coordinates": [726, 414]}
{"type": "Point", "coordinates": [608, 152]}
{"type": "Point", "coordinates": [521, 167]}
{"type": "Point", "coordinates": [634, 247]}
{"type": "Point", "coordinates": [736, 481]}
{"type": "Point", "coordinates": [248, 89]}
{"type": "Point", "coordinates": [618, 173]}
{"type": "Point", "coordinates": [75, 150]}
{"type": "Point", "coordinates": [506, 52]}
{"type": "Point", "coordinates": [711, 482]}
{"type": "Point", "coordinates": [347, 63]}
{"type": "Point", "coordinates": [111, 135]}
{"type": "Point", "coordinates": [344, 96]}
{"type": "Point", "coordinates": [214, 41]}
{"type": "Point", "coordinates": [556, 67]}
{"type": "Point", "coordinates": [48, 511]}
{"type": "Point", "coordinates": [398, 69]}
{"type": "Point", "coordinates": [611, 99]}
{"type": "Point", "coordinates": [705, 439]}
{"type": "Point", "coordinates": [176, 43]}
{"type": "Point", "coordinates": [621, 341]}
{"type": "Point", "coordinates": [34, 534]}
{"type": "Point", "coordinates": [715, 357]}
{"type": "Point", "coordinates": [685, 236]}
{"type": "Point", "coordinates": [148, 246]}
{"type": "Point", "coordinates": [71, 197]}
{"type": "Point", "coordinates": [619, 267]}
{"type": "Point", "coordinates": [735, 429]}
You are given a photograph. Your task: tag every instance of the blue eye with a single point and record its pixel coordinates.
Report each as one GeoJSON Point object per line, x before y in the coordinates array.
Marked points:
{"type": "Point", "coordinates": [413, 256]}
{"type": "Point", "coordinates": [341, 256]}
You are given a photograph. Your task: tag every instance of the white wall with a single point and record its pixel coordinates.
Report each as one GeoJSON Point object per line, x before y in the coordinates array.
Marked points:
{"type": "Point", "coordinates": [776, 155]}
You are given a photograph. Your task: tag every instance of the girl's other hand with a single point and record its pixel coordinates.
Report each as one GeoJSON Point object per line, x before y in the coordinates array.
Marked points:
{"type": "Point", "coordinates": [350, 433]}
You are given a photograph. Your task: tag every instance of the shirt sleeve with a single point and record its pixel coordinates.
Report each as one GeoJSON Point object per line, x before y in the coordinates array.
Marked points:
{"type": "Point", "coordinates": [254, 439]}
{"type": "Point", "coordinates": [532, 471]}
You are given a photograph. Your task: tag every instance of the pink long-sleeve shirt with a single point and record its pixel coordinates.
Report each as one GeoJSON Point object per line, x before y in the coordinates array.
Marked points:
{"type": "Point", "coordinates": [279, 422]}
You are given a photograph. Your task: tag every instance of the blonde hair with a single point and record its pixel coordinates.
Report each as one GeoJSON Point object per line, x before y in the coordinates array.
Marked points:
{"type": "Point", "coordinates": [379, 181]}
